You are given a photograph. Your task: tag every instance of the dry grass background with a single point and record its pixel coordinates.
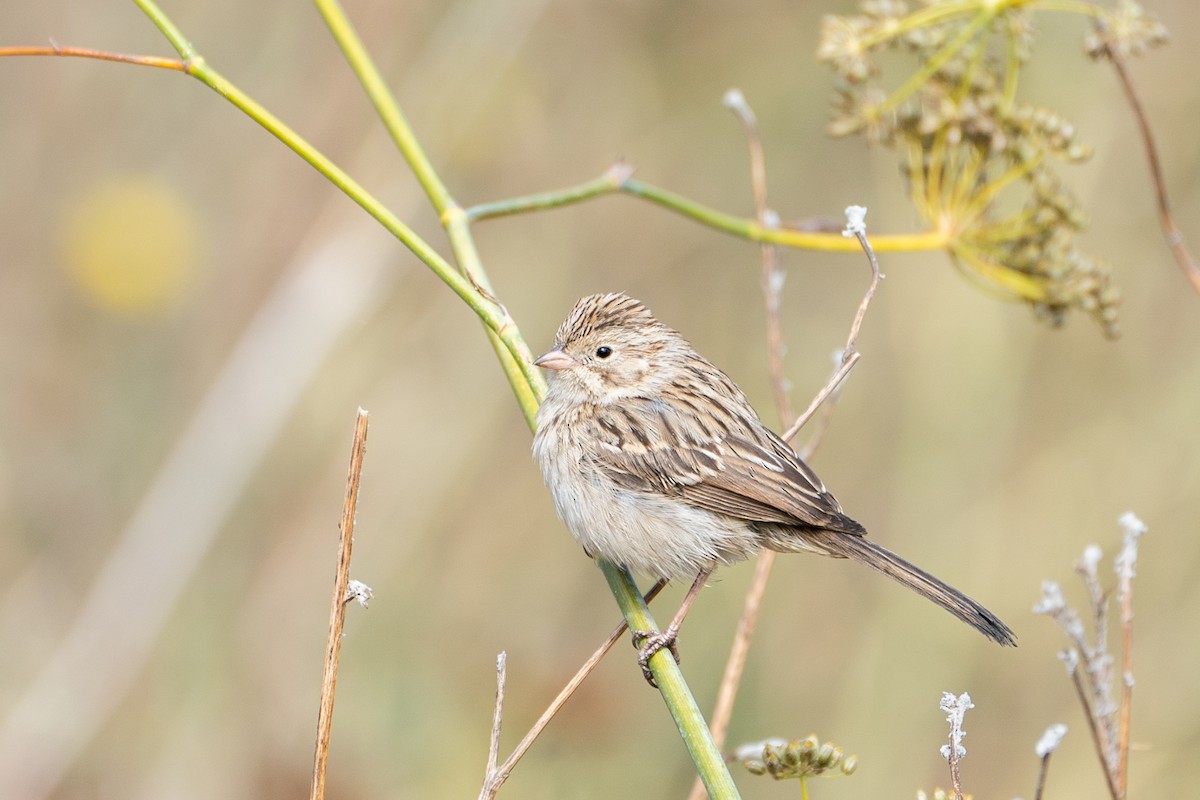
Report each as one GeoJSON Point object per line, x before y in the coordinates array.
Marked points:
{"type": "Point", "coordinates": [972, 439]}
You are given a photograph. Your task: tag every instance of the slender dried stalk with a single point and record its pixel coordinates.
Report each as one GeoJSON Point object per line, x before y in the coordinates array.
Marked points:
{"type": "Point", "coordinates": [1097, 731]}
{"type": "Point", "coordinates": [337, 607]}
{"type": "Point", "coordinates": [1043, 768]}
{"type": "Point", "coordinates": [497, 713]}
{"type": "Point", "coordinates": [772, 276]}
{"type": "Point", "coordinates": [497, 775]}
{"type": "Point", "coordinates": [1174, 236]}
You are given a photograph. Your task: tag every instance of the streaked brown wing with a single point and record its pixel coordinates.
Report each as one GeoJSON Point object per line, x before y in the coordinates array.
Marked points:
{"type": "Point", "coordinates": [716, 462]}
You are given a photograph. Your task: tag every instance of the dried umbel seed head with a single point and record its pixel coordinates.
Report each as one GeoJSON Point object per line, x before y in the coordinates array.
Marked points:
{"type": "Point", "coordinates": [981, 162]}
{"type": "Point", "coordinates": [799, 758]}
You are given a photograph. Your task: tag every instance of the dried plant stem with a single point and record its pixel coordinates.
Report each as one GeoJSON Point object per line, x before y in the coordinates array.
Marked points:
{"type": "Point", "coordinates": [1096, 729]}
{"type": "Point", "coordinates": [1125, 592]}
{"type": "Point", "coordinates": [850, 354]}
{"type": "Point", "coordinates": [772, 277]}
{"type": "Point", "coordinates": [337, 607]}
{"type": "Point", "coordinates": [1174, 236]}
{"type": "Point", "coordinates": [1126, 692]}
{"type": "Point", "coordinates": [955, 777]}
{"type": "Point", "coordinates": [1043, 768]}
{"type": "Point", "coordinates": [497, 775]}
{"type": "Point", "coordinates": [497, 715]}
{"type": "Point", "coordinates": [828, 389]}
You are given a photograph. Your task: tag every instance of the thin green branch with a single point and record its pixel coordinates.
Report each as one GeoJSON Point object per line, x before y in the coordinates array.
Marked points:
{"type": "Point", "coordinates": [611, 181]}
{"type": "Point", "coordinates": [525, 379]}
{"type": "Point", "coordinates": [385, 103]}
{"type": "Point", "coordinates": [688, 718]}
{"type": "Point", "coordinates": [494, 316]}
{"type": "Point", "coordinates": [616, 180]}
{"type": "Point", "coordinates": [175, 36]}
{"type": "Point", "coordinates": [994, 276]}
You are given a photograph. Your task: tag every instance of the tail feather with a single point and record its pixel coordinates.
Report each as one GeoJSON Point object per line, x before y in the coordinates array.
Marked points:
{"type": "Point", "coordinates": [864, 551]}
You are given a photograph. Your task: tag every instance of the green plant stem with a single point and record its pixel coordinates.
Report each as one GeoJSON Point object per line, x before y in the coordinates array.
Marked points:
{"type": "Point", "coordinates": [526, 380]}
{"type": "Point", "coordinates": [385, 102]}
{"type": "Point", "coordinates": [611, 181]}
{"type": "Point", "coordinates": [688, 719]}
{"type": "Point", "coordinates": [743, 227]}
{"type": "Point", "coordinates": [178, 41]}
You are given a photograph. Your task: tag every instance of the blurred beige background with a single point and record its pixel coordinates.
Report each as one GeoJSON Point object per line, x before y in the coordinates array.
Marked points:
{"type": "Point", "coordinates": [173, 442]}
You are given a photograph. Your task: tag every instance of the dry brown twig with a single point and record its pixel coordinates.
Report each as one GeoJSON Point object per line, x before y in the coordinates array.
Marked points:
{"type": "Point", "coordinates": [1174, 236]}
{"type": "Point", "coordinates": [955, 708]}
{"type": "Point", "coordinates": [344, 590]}
{"type": "Point", "coordinates": [772, 274]}
{"type": "Point", "coordinates": [496, 775]}
{"type": "Point", "coordinates": [1044, 749]}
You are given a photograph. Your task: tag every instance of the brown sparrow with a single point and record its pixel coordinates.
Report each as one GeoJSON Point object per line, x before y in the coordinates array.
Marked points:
{"type": "Point", "coordinates": [657, 462]}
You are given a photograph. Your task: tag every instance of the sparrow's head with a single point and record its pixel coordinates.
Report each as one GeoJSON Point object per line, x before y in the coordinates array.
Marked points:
{"type": "Point", "coordinates": [610, 347]}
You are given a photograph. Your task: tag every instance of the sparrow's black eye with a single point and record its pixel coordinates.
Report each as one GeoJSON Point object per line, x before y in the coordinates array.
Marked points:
{"type": "Point", "coordinates": [603, 352]}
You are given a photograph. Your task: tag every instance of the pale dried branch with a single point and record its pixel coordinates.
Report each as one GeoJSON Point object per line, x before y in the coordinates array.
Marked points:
{"type": "Point", "coordinates": [342, 594]}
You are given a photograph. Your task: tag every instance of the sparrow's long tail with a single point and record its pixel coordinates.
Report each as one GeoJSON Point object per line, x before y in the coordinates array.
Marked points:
{"type": "Point", "coordinates": [864, 551]}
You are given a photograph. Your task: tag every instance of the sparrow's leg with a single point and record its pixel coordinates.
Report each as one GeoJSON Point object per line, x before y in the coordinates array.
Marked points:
{"type": "Point", "coordinates": [649, 643]}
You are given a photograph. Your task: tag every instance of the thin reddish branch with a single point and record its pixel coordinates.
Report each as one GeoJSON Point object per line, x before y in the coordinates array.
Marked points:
{"type": "Point", "coordinates": [1174, 236]}
{"type": "Point", "coordinates": [55, 49]}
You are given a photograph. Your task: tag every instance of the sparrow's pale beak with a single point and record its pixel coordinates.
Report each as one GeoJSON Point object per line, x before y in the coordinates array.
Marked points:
{"type": "Point", "coordinates": [555, 358]}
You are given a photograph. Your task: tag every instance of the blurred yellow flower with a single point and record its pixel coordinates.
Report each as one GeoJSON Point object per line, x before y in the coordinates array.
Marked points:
{"type": "Point", "coordinates": [130, 245]}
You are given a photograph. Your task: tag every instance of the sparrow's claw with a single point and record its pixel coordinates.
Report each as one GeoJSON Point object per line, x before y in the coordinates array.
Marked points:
{"type": "Point", "coordinates": [648, 643]}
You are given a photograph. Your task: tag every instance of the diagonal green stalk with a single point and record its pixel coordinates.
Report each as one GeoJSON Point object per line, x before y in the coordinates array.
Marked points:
{"type": "Point", "coordinates": [385, 102]}
{"type": "Point", "coordinates": [687, 715]}
{"type": "Point", "coordinates": [526, 381]}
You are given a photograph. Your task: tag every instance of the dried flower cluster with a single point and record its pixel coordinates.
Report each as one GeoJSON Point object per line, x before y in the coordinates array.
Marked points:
{"type": "Point", "coordinates": [799, 758]}
{"type": "Point", "coordinates": [1092, 667]}
{"type": "Point", "coordinates": [981, 164]}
